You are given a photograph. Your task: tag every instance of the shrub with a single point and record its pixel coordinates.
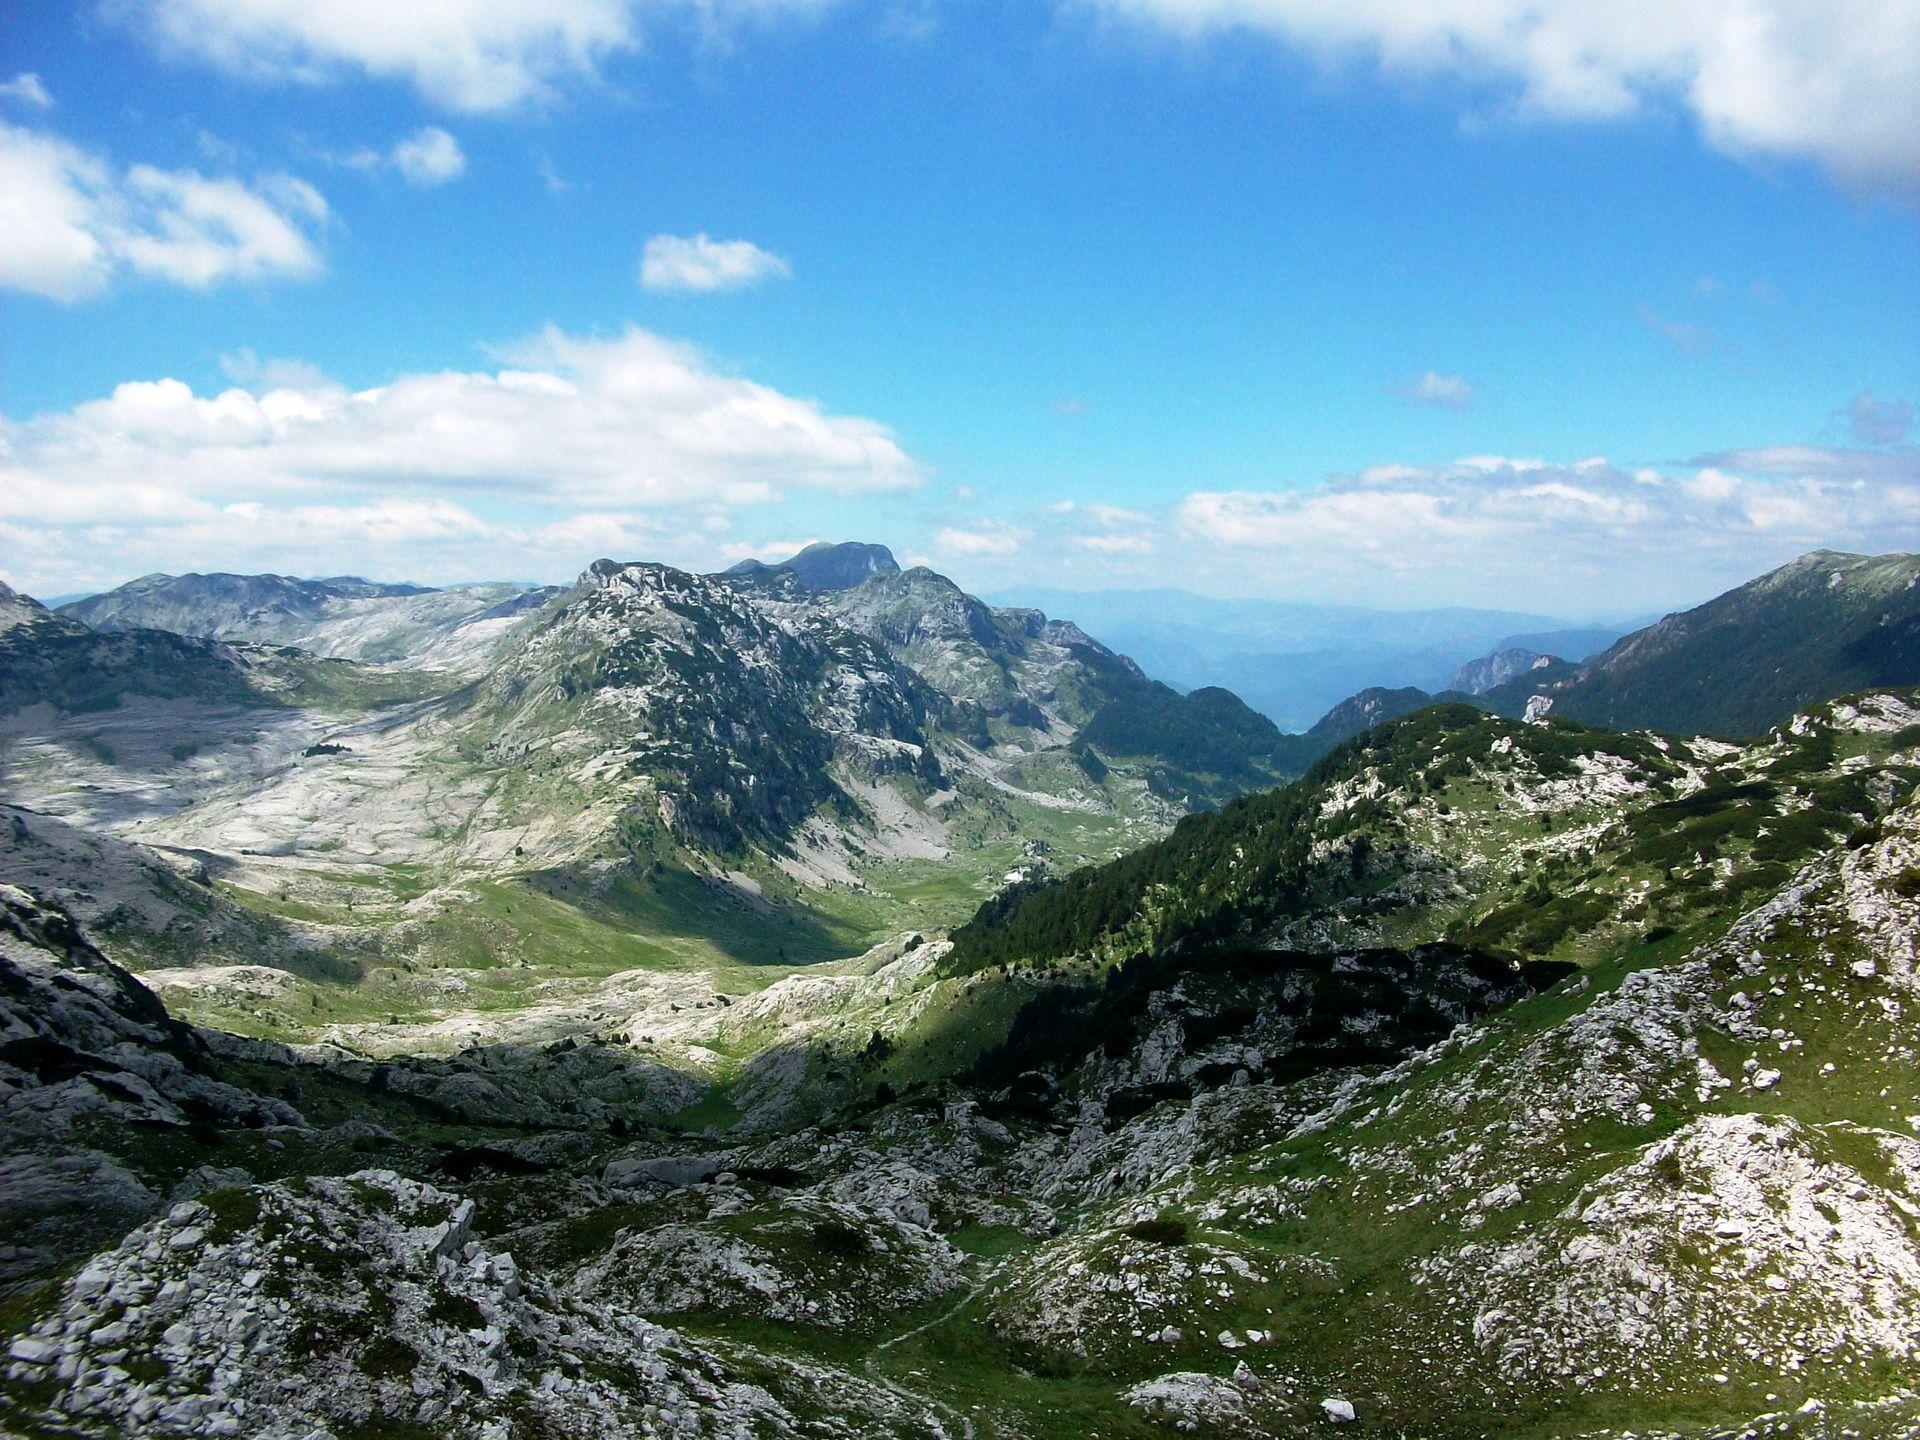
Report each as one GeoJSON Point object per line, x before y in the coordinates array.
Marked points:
{"type": "Point", "coordinates": [1161, 1230]}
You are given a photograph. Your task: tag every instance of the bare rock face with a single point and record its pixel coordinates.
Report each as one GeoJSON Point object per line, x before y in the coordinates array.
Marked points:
{"type": "Point", "coordinates": [332, 1304]}
{"type": "Point", "coordinates": [86, 1049]}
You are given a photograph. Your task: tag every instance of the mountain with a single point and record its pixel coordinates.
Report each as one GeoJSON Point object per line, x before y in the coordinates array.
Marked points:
{"type": "Point", "coordinates": [344, 617]}
{"type": "Point", "coordinates": [1397, 834]}
{"type": "Point", "coordinates": [740, 727]}
{"type": "Point", "coordinates": [47, 658]}
{"type": "Point", "coordinates": [1476, 677]}
{"type": "Point", "coordinates": [823, 566]}
{"type": "Point", "coordinates": [1353, 716]}
{"type": "Point", "coordinates": [785, 715]}
{"type": "Point", "coordinates": [261, 606]}
{"type": "Point", "coordinates": [867, 1010]}
{"type": "Point", "coordinates": [1822, 626]}
{"type": "Point", "coordinates": [1051, 680]}
{"type": "Point", "coordinates": [1293, 662]}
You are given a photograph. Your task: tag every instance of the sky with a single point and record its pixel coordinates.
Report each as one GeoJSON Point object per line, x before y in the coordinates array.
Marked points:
{"type": "Point", "coordinates": [1522, 303]}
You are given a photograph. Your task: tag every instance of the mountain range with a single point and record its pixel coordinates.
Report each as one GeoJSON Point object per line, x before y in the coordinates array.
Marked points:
{"type": "Point", "coordinates": [1741, 663]}
{"type": "Point", "coordinates": [1293, 662]}
{"type": "Point", "coordinates": [810, 1000]}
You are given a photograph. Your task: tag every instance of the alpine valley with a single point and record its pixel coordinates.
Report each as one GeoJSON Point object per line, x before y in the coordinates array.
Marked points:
{"type": "Point", "coordinates": [807, 1001]}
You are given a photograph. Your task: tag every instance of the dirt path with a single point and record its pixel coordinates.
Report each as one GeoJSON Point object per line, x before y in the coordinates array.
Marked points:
{"type": "Point", "coordinates": [872, 1363]}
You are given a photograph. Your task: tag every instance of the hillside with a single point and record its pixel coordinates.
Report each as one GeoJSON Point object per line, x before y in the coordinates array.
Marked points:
{"type": "Point", "coordinates": [1825, 625]}
{"type": "Point", "coordinates": [1403, 1165]}
{"type": "Point", "coordinates": [343, 618]}
{"type": "Point", "coordinates": [1554, 840]}
{"type": "Point", "coordinates": [49, 659]}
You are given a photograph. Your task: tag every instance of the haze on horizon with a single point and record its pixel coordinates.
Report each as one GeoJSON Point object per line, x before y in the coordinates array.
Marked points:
{"type": "Point", "coordinates": [1419, 305]}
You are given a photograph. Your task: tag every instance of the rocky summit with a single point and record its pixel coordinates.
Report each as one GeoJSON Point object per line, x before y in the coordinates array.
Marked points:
{"type": "Point", "coordinates": [809, 1001]}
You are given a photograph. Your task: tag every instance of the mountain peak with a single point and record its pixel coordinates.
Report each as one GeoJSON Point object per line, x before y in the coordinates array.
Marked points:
{"type": "Point", "coordinates": [17, 609]}
{"type": "Point", "coordinates": [825, 565]}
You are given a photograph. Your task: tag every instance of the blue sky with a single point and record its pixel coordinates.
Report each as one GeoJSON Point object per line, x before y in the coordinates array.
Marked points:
{"type": "Point", "coordinates": [1391, 307]}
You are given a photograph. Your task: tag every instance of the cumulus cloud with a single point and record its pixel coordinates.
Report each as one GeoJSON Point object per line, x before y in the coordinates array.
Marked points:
{"type": "Point", "coordinates": [634, 420]}
{"type": "Point", "coordinates": [990, 538]}
{"type": "Point", "coordinates": [1874, 421]}
{"type": "Point", "coordinates": [694, 264]}
{"type": "Point", "coordinates": [69, 222]}
{"type": "Point", "coordinates": [1430, 387]}
{"type": "Point", "coordinates": [566, 427]}
{"type": "Point", "coordinates": [428, 157]}
{"type": "Point", "coordinates": [1497, 527]}
{"type": "Point", "coordinates": [27, 89]}
{"type": "Point", "coordinates": [1796, 78]}
{"type": "Point", "coordinates": [471, 56]}
{"type": "Point", "coordinates": [465, 55]}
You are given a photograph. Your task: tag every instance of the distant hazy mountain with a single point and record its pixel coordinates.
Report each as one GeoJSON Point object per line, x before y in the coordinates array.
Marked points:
{"type": "Point", "coordinates": [1294, 661]}
{"type": "Point", "coordinates": [1476, 677]}
{"type": "Point", "coordinates": [343, 617]}
{"type": "Point", "coordinates": [218, 604]}
{"type": "Point", "coordinates": [1356, 715]}
{"type": "Point", "coordinates": [824, 566]}
{"type": "Point", "coordinates": [1825, 625]}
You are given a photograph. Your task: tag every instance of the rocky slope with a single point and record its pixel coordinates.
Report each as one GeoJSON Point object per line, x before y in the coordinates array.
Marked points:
{"type": "Point", "coordinates": [344, 618]}
{"type": "Point", "coordinates": [1420, 1189]}
{"type": "Point", "coordinates": [49, 659]}
{"type": "Point", "coordinates": [1513, 662]}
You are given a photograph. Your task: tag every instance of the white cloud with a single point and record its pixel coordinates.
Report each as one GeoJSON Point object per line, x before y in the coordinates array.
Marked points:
{"type": "Point", "coordinates": [27, 89]}
{"type": "Point", "coordinates": [630, 446]}
{"type": "Point", "coordinates": [471, 56]}
{"type": "Point", "coordinates": [1542, 535]}
{"type": "Point", "coordinates": [1430, 387]}
{"type": "Point", "coordinates": [465, 55]}
{"type": "Point", "coordinates": [538, 453]}
{"type": "Point", "coordinates": [243, 367]}
{"type": "Point", "coordinates": [1796, 78]}
{"type": "Point", "coordinates": [428, 157]}
{"type": "Point", "coordinates": [1101, 513]}
{"type": "Point", "coordinates": [1115, 544]}
{"type": "Point", "coordinates": [69, 222]}
{"type": "Point", "coordinates": [989, 538]}
{"type": "Point", "coordinates": [697, 265]}
{"type": "Point", "coordinates": [1819, 462]}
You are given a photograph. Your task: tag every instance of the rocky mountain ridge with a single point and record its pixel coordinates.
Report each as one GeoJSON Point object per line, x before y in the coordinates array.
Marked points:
{"type": "Point", "coordinates": [343, 618]}
{"type": "Point", "coordinates": [1824, 625]}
